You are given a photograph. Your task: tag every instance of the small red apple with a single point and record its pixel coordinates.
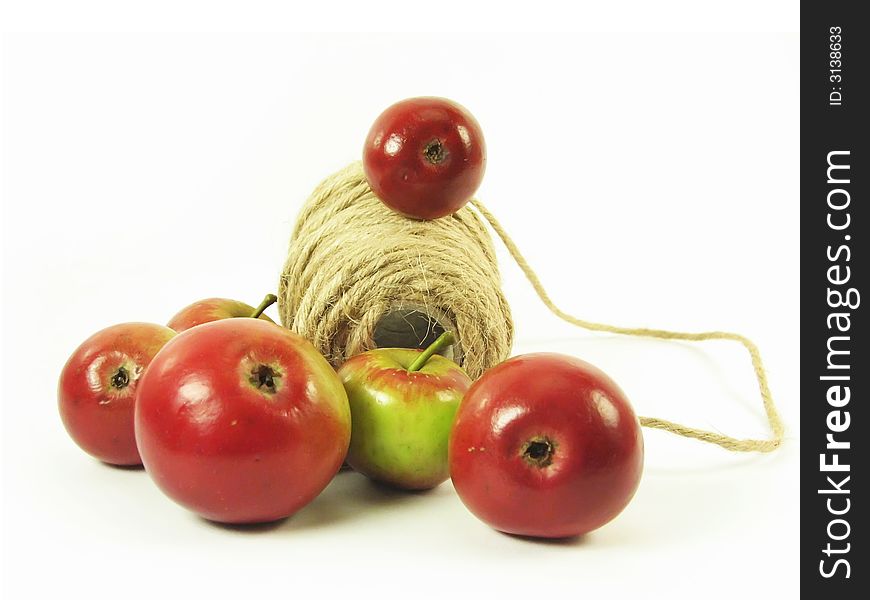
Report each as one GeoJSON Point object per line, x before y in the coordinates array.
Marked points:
{"type": "Point", "coordinates": [214, 309]}
{"type": "Point", "coordinates": [98, 385]}
{"type": "Point", "coordinates": [241, 421]}
{"type": "Point", "coordinates": [545, 445]}
{"type": "Point", "coordinates": [425, 157]}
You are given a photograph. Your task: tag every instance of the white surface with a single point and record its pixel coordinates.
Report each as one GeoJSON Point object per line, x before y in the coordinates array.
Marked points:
{"type": "Point", "coordinates": [650, 179]}
{"type": "Point", "coordinates": [184, 16]}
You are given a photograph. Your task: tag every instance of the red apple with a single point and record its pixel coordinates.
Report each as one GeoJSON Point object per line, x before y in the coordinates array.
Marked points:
{"type": "Point", "coordinates": [241, 421]}
{"type": "Point", "coordinates": [402, 404]}
{"type": "Point", "coordinates": [214, 309]}
{"type": "Point", "coordinates": [425, 157]}
{"type": "Point", "coordinates": [545, 445]}
{"type": "Point", "coordinates": [98, 385]}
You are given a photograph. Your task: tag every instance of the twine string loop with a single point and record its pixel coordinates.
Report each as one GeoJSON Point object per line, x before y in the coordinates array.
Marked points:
{"type": "Point", "coordinates": [726, 441]}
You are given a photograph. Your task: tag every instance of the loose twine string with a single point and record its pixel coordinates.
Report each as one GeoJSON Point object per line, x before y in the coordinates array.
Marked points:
{"type": "Point", "coordinates": [351, 260]}
{"type": "Point", "coordinates": [726, 441]}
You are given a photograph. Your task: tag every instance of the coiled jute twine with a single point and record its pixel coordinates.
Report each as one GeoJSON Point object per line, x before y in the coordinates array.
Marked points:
{"type": "Point", "coordinates": [354, 267]}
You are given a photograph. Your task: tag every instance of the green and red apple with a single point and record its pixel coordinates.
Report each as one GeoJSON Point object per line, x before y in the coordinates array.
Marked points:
{"type": "Point", "coordinates": [215, 309]}
{"type": "Point", "coordinates": [402, 404]}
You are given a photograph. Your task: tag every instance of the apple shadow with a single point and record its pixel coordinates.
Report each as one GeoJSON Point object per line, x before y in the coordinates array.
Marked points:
{"type": "Point", "coordinates": [124, 467]}
{"type": "Point", "coordinates": [246, 528]}
{"type": "Point", "coordinates": [348, 496]}
{"type": "Point", "coordinates": [570, 541]}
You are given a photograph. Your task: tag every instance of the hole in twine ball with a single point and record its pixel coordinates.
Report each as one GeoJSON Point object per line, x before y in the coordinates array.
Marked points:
{"type": "Point", "coordinates": [412, 328]}
{"type": "Point", "coordinates": [359, 276]}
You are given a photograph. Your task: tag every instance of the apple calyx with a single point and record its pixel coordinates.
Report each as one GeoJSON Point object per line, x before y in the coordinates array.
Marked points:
{"type": "Point", "coordinates": [445, 339]}
{"type": "Point", "coordinates": [265, 378]}
{"type": "Point", "coordinates": [268, 301]}
{"type": "Point", "coordinates": [538, 451]}
{"type": "Point", "coordinates": [120, 379]}
{"type": "Point", "coordinates": [435, 152]}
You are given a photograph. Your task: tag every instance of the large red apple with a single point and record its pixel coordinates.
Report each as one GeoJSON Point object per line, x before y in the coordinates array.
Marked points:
{"type": "Point", "coordinates": [241, 421]}
{"type": "Point", "coordinates": [97, 389]}
{"type": "Point", "coordinates": [215, 309]}
{"type": "Point", "coordinates": [425, 157]}
{"type": "Point", "coordinates": [545, 445]}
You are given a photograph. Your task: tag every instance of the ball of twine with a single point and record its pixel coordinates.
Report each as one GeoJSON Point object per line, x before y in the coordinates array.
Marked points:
{"type": "Point", "coordinates": [352, 261]}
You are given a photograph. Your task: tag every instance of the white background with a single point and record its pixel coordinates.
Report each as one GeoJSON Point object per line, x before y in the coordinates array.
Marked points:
{"type": "Point", "coordinates": [650, 178]}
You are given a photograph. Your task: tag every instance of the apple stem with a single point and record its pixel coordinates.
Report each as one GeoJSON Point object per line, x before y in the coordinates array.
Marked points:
{"type": "Point", "coordinates": [268, 301]}
{"type": "Point", "coordinates": [444, 340]}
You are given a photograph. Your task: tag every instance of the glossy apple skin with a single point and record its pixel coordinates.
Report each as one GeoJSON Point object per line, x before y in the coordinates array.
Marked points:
{"type": "Point", "coordinates": [405, 173]}
{"type": "Point", "coordinates": [96, 400]}
{"type": "Point", "coordinates": [597, 447]}
{"type": "Point", "coordinates": [211, 309]}
{"type": "Point", "coordinates": [402, 420]}
{"type": "Point", "coordinates": [220, 443]}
